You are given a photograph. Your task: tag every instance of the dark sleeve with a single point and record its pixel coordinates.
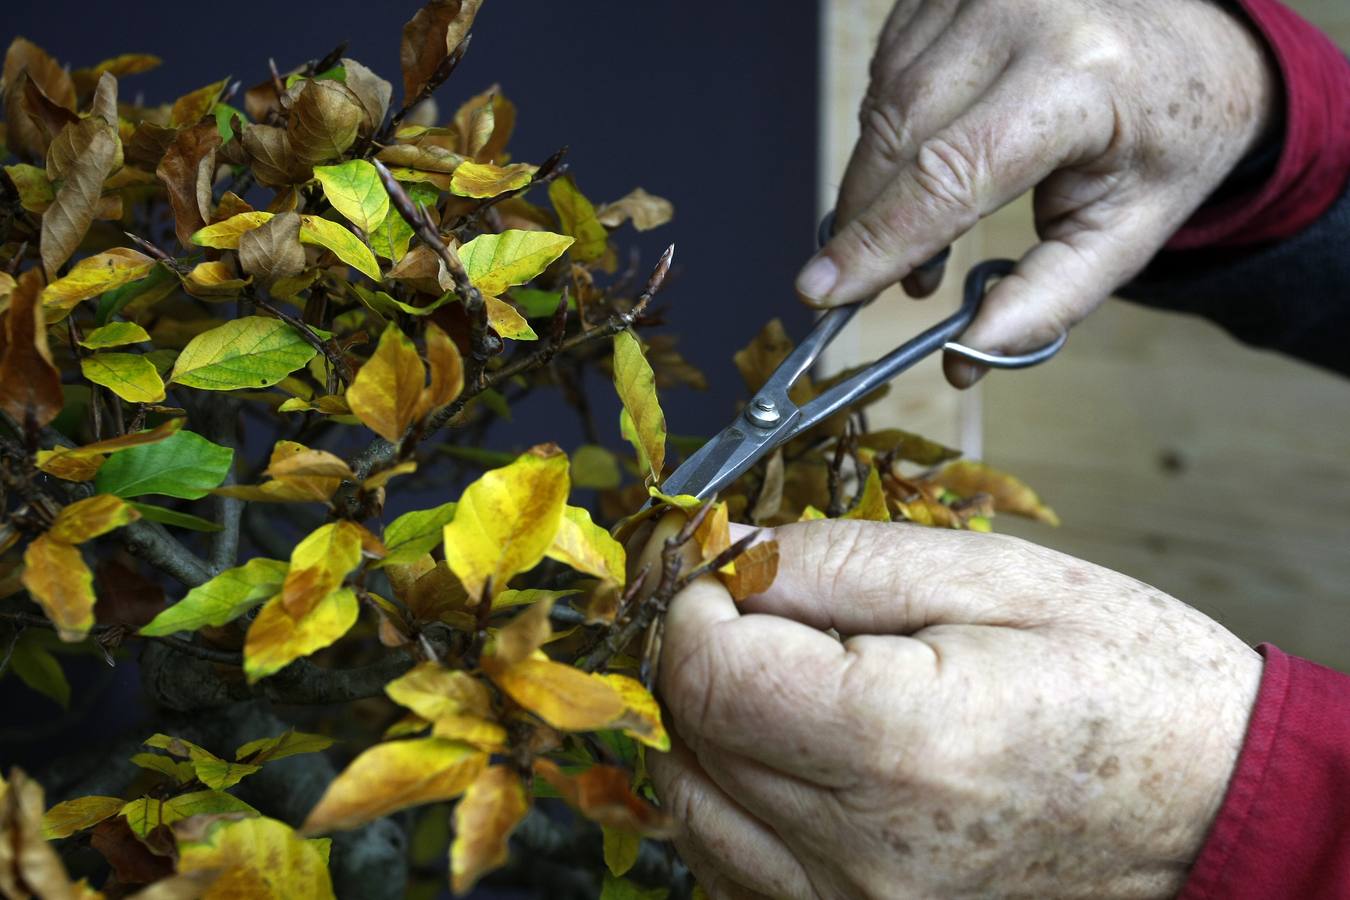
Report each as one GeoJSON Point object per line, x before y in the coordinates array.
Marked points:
{"type": "Point", "coordinates": [1292, 296]}
{"type": "Point", "coordinates": [1284, 828]}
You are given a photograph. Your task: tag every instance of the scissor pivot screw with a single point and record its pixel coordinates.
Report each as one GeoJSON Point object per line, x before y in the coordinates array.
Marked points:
{"type": "Point", "coordinates": [763, 412]}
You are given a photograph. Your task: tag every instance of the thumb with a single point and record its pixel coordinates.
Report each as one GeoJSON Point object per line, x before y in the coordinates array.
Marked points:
{"type": "Point", "coordinates": [894, 578]}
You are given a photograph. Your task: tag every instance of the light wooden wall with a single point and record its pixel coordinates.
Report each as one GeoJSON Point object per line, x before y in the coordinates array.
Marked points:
{"type": "Point", "coordinates": [1173, 454]}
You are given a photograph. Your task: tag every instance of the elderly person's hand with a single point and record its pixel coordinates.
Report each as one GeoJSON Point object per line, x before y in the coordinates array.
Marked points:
{"type": "Point", "coordinates": [1124, 115]}
{"type": "Point", "coordinates": [997, 719]}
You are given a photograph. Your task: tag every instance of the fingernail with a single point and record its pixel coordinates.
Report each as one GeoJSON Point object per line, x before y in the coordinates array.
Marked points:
{"type": "Point", "coordinates": [817, 280]}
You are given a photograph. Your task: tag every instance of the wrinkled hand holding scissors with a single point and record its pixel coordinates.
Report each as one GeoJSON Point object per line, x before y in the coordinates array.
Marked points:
{"type": "Point", "coordinates": [771, 419]}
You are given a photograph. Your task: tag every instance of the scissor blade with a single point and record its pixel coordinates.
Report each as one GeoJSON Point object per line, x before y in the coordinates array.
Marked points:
{"type": "Point", "coordinates": [720, 461]}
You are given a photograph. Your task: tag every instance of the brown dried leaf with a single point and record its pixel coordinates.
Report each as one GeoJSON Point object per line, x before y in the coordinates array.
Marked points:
{"type": "Point", "coordinates": [430, 36]}
{"type": "Point", "coordinates": [647, 211]}
{"type": "Point", "coordinates": [30, 385]}
{"type": "Point", "coordinates": [755, 571]}
{"type": "Point", "coordinates": [82, 156]}
{"type": "Point", "coordinates": [148, 144]}
{"type": "Point", "coordinates": [270, 154]}
{"type": "Point", "coordinates": [48, 116]}
{"type": "Point", "coordinates": [28, 863]}
{"type": "Point", "coordinates": [323, 121]}
{"type": "Point", "coordinates": [371, 91]}
{"type": "Point", "coordinates": [272, 250]}
{"type": "Point", "coordinates": [104, 104]}
{"type": "Point", "coordinates": [187, 170]}
{"type": "Point", "coordinates": [190, 108]}
{"type": "Point", "coordinates": [22, 135]}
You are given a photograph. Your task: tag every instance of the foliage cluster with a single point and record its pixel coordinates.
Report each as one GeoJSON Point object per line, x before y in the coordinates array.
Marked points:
{"type": "Point", "coordinates": [236, 328]}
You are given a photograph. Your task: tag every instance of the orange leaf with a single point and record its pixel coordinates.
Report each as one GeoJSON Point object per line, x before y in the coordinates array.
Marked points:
{"type": "Point", "coordinates": [755, 571]}
{"type": "Point", "coordinates": [88, 518]}
{"type": "Point", "coordinates": [491, 809]}
{"type": "Point", "coordinates": [524, 634]}
{"type": "Point", "coordinates": [447, 371]}
{"type": "Point", "coordinates": [1010, 494]}
{"type": "Point", "coordinates": [601, 793]}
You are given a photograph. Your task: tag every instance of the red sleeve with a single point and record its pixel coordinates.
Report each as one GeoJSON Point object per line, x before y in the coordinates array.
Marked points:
{"type": "Point", "coordinates": [1315, 160]}
{"type": "Point", "coordinates": [1284, 828]}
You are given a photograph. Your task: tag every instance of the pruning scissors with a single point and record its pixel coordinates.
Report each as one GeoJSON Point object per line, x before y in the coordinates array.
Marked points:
{"type": "Point", "coordinates": [771, 419]}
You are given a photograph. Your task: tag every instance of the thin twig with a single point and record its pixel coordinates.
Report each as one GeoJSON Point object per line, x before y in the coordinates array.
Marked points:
{"type": "Point", "coordinates": [221, 427]}
{"type": "Point", "coordinates": [221, 657]}
{"type": "Point", "coordinates": [326, 347]}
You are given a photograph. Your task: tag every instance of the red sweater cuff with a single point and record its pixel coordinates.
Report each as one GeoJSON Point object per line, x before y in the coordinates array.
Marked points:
{"type": "Point", "coordinates": [1315, 161]}
{"type": "Point", "coordinates": [1284, 828]}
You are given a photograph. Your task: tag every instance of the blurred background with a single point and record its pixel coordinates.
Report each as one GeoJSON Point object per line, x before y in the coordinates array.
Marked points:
{"type": "Point", "coordinates": [1218, 473]}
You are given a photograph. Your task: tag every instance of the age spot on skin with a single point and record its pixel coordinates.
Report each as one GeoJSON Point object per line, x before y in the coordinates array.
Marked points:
{"type": "Point", "coordinates": [1109, 767]}
{"type": "Point", "coordinates": [1173, 110]}
{"type": "Point", "coordinates": [942, 821]}
{"type": "Point", "coordinates": [896, 842]}
{"type": "Point", "coordinates": [980, 836]}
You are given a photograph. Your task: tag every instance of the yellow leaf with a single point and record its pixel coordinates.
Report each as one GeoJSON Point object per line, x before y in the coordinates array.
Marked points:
{"type": "Point", "coordinates": [128, 375]}
{"type": "Point", "coordinates": [345, 245]}
{"type": "Point", "coordinates": [90, 517]}
{"type": "Point", "coordinates": [190, 108]}
{"type": "Point", "coordinates": [636, 386]}
{"type": "Point", "coordinates": [587, 547]}
{"type": "Point", "coordinates": [481, 180]}
{"type": "Point", "coordinates": [447, 371]}
{"type": "Point", "coordinates": [225, 235]}
{"type": "Point", "coordinates": [56, 576]}
{"type": "Point", "coordinates": [871, 505]}
{"type": "Point", "coordinates": [318, 565]}
{"type": "Point", "coordinates": [387, 391]}
{"type": "Point", "coordinates": [64, 819]}
{"type": "Point", "coordinates": [564, 697]}
{"type": "Point", "coordinates": [507, 321]}
{"type": "Point", "coordinates": [290, 459]}
{"type": "Point", "coordinates": [714, 534]}
{"type": "Point", "coordinates": [393, 776]}
{"type": "Point", "coordinates": [525, 634]}
{"type": "Point", "coordinates": [288, 743]}
{"type": "Point", "coordinates": [214, 280]}
{"type": "Point", "coordinates": [114, 334]}
{"type": "Point", "coordinates": [495, 262]}
{"type": "Point", "coordinates": [507, 519]}
{"type": "Point", "coordinates": [384, 476]}
{"type": "Point", "coordinates": [811, 514]}
{"type": "Point", "coordinates": [93, 276]}
{"type": "Point", "coordinates": [431, 690]}
{"type": "Point", "coordinates": [491, 809]}
{"type": "Point", "coordinates": [276, 638]}
{"type": "Point", "coordinates": [1010, 494]}
{"type": "Point", "coordinates": [577, 216]}
{"type": "Point", "coordinates": [642, 722]}
{"type": "Point", "coordinates": [83, 463]}
{"type": "Point", "coordinates": [476, 730]}
{"type": "Point", "coordinates": [257, 857]}
{"type": "Point", "coordinates": [354, 189]}
{"type": "Point", "coordinates": [647, 212]}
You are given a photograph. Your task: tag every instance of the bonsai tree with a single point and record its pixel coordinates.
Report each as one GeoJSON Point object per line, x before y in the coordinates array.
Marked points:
{"type": "Point", "coordinates": [254, 345]}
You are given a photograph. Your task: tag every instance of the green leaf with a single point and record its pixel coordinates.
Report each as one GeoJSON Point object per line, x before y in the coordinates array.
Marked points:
{"type": "Point", "coordinates": [222, 599]}
{"type": "Point", "coordinates": [636, 385]}
{"type": "Point", "coordinates": [185, 465]}
{"type": "Point", "coordinates": [251, 352]}
{"type": "Point", "coordinates": [414, 533]}
{"type": "Point", "coordinates": [174, 517]}
{"type": "Point", "coordinates": [354, 189]}
{"type": "Point", "coordinates": [621, 849]}
{"type": "Point", "coordinates": [527, 597]}
{"type": "Point", "coordinates": [180, 771]}
{"type": "Point", "coordinates": [381, 302]}
{"type": "Point", "coordinates": [537, 304]}
{"type": "Point", "coordinates": [345, 245]}
{"type": "Point", "coordinates": [289, 743]}
{"type": "Point", "coordinates": [594, 467]}
{"type": "Point", "coordinates": [224, 113]}
{"type": "Point", "coordinates": [39, 669]}
{"type": "Point", "coordinates": [623, 889]}
{"type": "Point", "coordinates": [576, 214]}
{"type": "Point", "coordinates": [128, 375]}
{"type": "Point", "coordinates": [497, 261]}
{"type": "Point", "coordinates": [158, 284]}
{"type": "Point", "coordinates": [115, 334]}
